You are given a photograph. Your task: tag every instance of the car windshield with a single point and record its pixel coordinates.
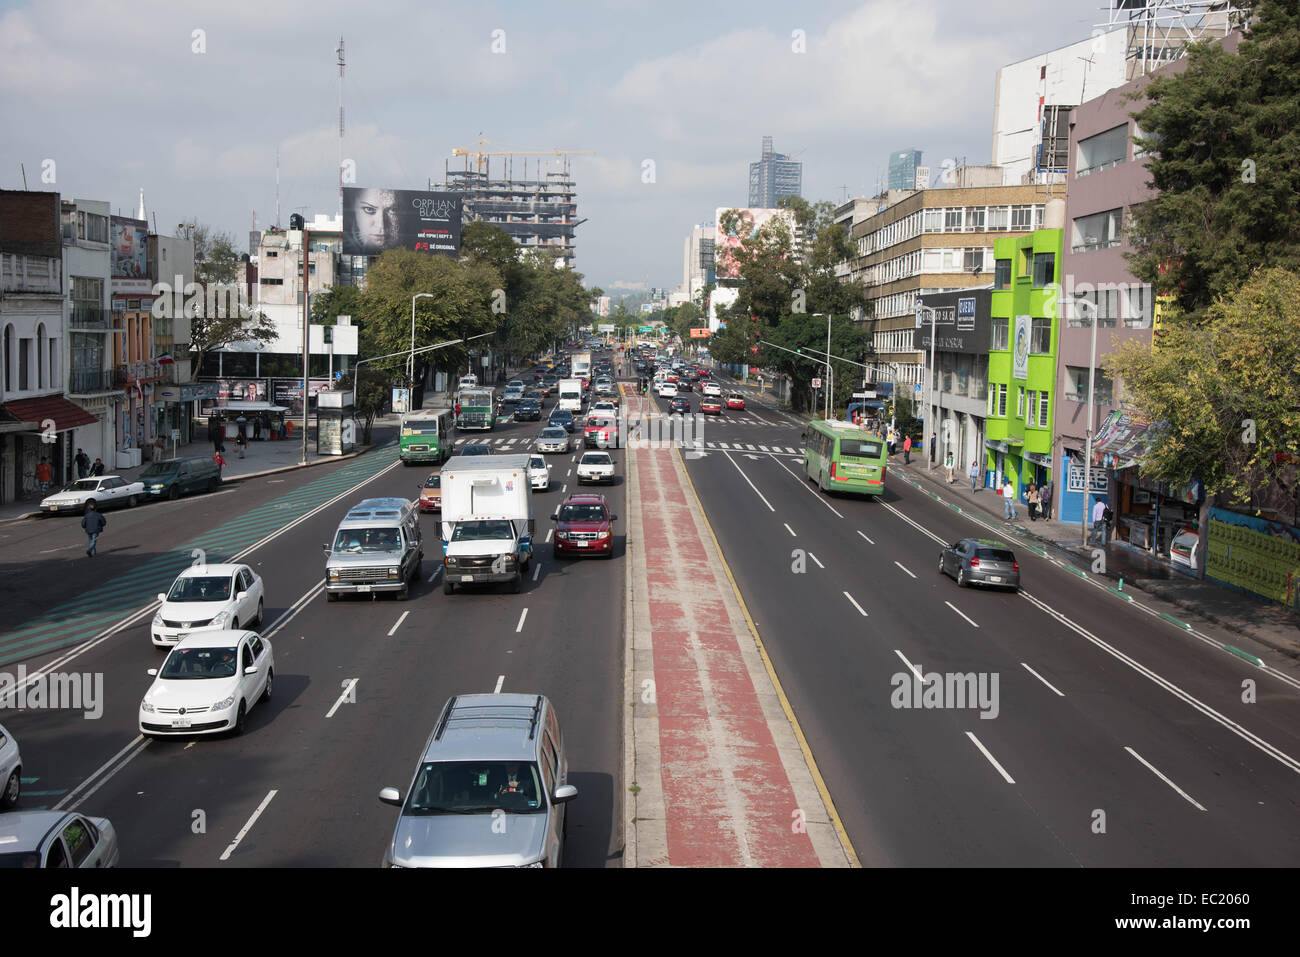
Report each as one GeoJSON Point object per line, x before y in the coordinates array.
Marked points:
{"type": "Point", "coordinates": [553, 434]}
{"type": "Point", "coordinates": [994, 555]}
{"type": "Point", "coordinates": [433, 481]}
{"type": "Point", "coordinates": [582, 513]}
{"type": "Point", "coordinates": [83, 485]}
{"type": "Point", "coordinates": [484, 531]}
{"type": "Point", "coordinates": [200, 588]}
{"type": "Point", "coordinates": [197, 663]}
{"type": "Point", "coordinates": [537, 462]}
{"type": "Point", "coordinates": [367, 540]}
{"type": "Point", "coordinates": [596, 458]}
{"type": "Point", "coordinates": [561, 415]}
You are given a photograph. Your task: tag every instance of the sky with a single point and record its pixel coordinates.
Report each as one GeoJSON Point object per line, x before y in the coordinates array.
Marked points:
{"type": "Point", "coordinates": [191, 101]}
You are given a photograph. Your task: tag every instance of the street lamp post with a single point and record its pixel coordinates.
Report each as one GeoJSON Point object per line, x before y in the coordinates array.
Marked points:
{"type": "Point", "coordinates": [829, 373]}
{"type": "Point", "coordinates": [410, 376]}
{"type": "Point", "coordinates": [1087, 455]}
{"type": "Point", "coordinates": [930, 375]}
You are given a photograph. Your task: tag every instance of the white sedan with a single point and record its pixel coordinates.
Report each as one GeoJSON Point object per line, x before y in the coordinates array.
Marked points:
{"type": "Point", "coordinates": [539, 473]}
{"type": "Point", "coordinates": [208, 596]}
{"type": "Point", "coordinates": [40, 839]}
{"type": "Point", "coordinates": [11, 769]}
{"type": "Point", "coordinates": [106, 491]}
{"type": "Point", "coordinates": [208, 684]}
{"type": "Point", "coordinates": [711, 388]}
{"type": "Point", "coordinates": [596, 467]}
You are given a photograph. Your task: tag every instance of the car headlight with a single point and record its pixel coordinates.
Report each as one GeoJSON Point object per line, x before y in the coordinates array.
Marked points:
{"type": "Point", "coordinates": [224, 703]}
{"type": "Point", "coordinates": [603, 535]}
{"type": "Point", "coordinates": [158, 619]}
{"type": "Point", "coordinates": [393, 572]}
{"type": "Point", "coordinates": [334, 574]}
{"type": "Point", "coordinates": [220, 618]}
{"type": "Point", "coordinates": [562, 535]}
{"type": "Point", "coordinates": [146, 707]}
{"type": "Point", "coordinates": [535, 864]}
{"type": "Point", "coordinates": [451, 559]}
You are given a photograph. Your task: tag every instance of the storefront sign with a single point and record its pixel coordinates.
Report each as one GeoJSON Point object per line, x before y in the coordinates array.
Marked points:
{"type": "Point", "coordinates": [1100, 482]}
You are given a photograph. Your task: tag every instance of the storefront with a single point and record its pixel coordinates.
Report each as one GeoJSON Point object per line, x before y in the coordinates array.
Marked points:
{"type": "Point", "coordinates": [175, 410]}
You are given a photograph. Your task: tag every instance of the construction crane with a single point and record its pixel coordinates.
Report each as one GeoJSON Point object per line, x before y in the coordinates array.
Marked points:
{"type": "Point", "coordinates": [480, 155]}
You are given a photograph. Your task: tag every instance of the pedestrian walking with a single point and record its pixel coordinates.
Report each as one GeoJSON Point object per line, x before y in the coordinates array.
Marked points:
{"type": "Point", "coordinates": [1033, 497]}
{"type": "Point", "coordinates": [1045, 499]}
{"type": "Point", "coordinates": [974, 473]}
{"type": "Point", "coordinates": [93, 522]}
{"type": "Point", "coordinates": [98, 468]}
{"type": "Point", "coordinates": [1099, 510]}
{"type": "Point", "coordinates": [44, 475]}
{"type": "Point", "coordinates": [83, 463]}
{"type": "Point", "coordinates": [1008, 498]}
{"type": "Point", "coordinates": [257, 427]}
{"type": "Point", "coordinates": [241, 443]}
{"type": "Point", "coordinates": [907, 450]}
{"type": "Point", "coordinates": [241, 426]}
{"type": "Point", "coordinates": [933, 441]}
{"type": "Point", "coordinates": [948, 464]}
{"type": "Point", "coordinates": [220, 460]}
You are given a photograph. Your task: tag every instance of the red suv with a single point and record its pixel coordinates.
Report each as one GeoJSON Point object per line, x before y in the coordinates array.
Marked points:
{"type": "Point", "coordinates": [583, 526]}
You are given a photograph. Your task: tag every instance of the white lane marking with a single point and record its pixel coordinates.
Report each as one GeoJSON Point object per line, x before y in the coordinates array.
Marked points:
{"type": "Point", "coordinates": [814, 558]}
{"type": "Point", "coordinates": [1040, 677]}
{"type": "Point", "coordinates": [790, 530]}
{"type": "Point", "coordinates": [724, 445]}
{"type": "Point", "coordinates": [436, 572]}
{"type": "Point", "coordinates": [549, 532]}
{"type": "Point", "coordinates": [522, 615]}
{"type": "Point", "coordinates": [751, 448]}
{"type": "Point", "coordinates": [249, 826]}
{"type": "Point", "coordinates": [537, 571]}
{"type": "Point", "coordinates": [46, 551]}
{"type": "Point", "coordinates": [74, 798]}
{"type": "Point", "coordinates": [911, 667]}
{"type": "Point", "coordinates": [958, 611]}
{"type": "Point", "coordinates": [856, 605]}
{"type": "Point", "coordinates": [347, 690]}
{"type": "Point", "coordinates": [864, 536]}
{"type": "Point", "coordinates": [810, 490]}
{"type": "Point", "coordinates": [1189, 798]}
{"type": "Point", "coordinates": [766, 449]}
{"type": "Point", "coordinates": [292, 612]}
{"type": "Point", "coordinates": [393, 630]}
{"type": "Point", "coordinates": [992, 760]}
{"type": "Point", "coordinates": [563, 488]}
{"type": "Point", "coordinates": [501, 679]}
{"type": "Point", "coordinates": [751, 484]}
{"type": "Point", "coordinates": [900, 565]}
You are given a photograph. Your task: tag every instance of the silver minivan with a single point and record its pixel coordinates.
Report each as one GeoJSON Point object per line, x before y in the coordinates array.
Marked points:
{"type": "Point", "coordinates": [490, 789]}
{"type": "Point", "coordinates": [378, 547]}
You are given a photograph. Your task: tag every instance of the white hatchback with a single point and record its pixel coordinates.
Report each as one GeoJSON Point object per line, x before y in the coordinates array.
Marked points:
{"type": "Point", "coordinates": [11, 769]}
{"type": "Point", "coordinates": [208, 684]}
{"type": "Point", "coordinates": [667, 390]}
{"type": "Point", "coordinates": [539, 473]}
{"type": "Point", "coordinates": [208, 596]}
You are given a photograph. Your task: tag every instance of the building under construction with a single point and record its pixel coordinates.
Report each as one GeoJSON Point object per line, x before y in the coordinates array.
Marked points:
{"type": "Point", "coordinates": [540, 211]}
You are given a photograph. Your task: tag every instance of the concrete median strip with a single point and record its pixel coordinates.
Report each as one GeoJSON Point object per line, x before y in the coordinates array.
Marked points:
{"type": "Point", "coordinates": [717, 770]}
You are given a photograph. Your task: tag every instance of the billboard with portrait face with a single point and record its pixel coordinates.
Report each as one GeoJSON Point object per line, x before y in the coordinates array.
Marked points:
{"type": "Point", "coordinates": [737, 226]}
{"type": "Point", "coordinates": [379, 219]}
{"type": "Point", "coordinates": [130, 238]}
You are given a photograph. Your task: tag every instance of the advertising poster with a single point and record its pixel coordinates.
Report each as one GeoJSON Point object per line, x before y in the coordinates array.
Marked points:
{"type": "Point", "coordinates": [130, 239]}
{"type": "Point", "coordinates": [378, 219]}
{"type": "Point", "coordinates": [1020, 349]}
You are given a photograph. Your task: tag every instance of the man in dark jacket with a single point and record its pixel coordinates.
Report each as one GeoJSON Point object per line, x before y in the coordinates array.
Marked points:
{"type": "Point", "coordinates": [98, 468]}
{"type": "Point", "coordinates": [93, 523]}
{"type": "Point", "coordinates": [83, 463]}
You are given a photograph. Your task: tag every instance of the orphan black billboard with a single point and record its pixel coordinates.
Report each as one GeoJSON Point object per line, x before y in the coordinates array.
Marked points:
{"type": "Point", "coordinates": [379, 219]}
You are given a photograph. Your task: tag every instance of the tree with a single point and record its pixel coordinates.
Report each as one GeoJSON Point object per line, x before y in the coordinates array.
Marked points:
{"type": "Point", "coordinates": [215, 258]}
{"type": "Point", "coordinates": [217, 265]}
{"type": "Point", "coordinates": [370, 395]}
{"type": "Point", "coordinates": [1225, 133]}
{"type": "Point", "coordinates": [1224, 396]}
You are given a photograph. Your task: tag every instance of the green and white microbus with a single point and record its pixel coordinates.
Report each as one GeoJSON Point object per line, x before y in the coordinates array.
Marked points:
{"type": "Point", "coordinates": [425, 436]}
{"type": "Point", "coordinates": [841, 457]}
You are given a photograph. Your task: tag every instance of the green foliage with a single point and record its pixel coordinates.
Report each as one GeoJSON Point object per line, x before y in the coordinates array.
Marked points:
{"type": "Point", "coordinates": [217, 263]}
{"type": "Point", "coordinates": [1227, 132]}
{"type": "Point", "coordinates": [1227, 391]}
{"type": "Point", "coordinates": [371, 395]}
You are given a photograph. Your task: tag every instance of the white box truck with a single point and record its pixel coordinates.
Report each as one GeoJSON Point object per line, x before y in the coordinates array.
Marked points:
{"type": "Point", "coordinates": [487, 520]}
{"type": "Point", "coordinates": [571, 395]}
{"type": "Point", "coordinates": [581, 364]}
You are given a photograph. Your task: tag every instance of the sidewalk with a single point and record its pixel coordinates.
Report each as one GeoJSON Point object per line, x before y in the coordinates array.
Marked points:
{"type": "Point", "coordinates": [1267, 623]}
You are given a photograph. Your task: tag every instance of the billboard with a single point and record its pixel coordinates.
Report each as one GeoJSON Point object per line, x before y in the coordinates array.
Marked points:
{"type": "Point", "coordinates": [700, 333]}
{"type": "Point", "coordinates": [130, 238]}
{"type": "Point", "coordinates": [1020, 349]}
{"type": "Point", "coordinates": [747, 224]}
{"type": "Point", "coordinates": [961, 321]}
{"type": "Point", "coordinates": [379, 219]}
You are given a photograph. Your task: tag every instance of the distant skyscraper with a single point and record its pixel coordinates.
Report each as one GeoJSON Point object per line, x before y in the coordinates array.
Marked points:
{"type": "Point", "coordinates": [772, 177]}
{"type": "Point", "coordinates": [902, 168]}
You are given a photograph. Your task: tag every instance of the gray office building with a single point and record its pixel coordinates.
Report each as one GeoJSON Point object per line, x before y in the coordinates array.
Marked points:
{"type": "Point", "coordinates": [772, 177]}
{"type": "Point", "coordinates": [902, 168]}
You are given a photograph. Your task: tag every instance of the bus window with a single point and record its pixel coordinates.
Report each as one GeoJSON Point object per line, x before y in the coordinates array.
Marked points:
{"type": "Point", "coordinates": [861, 448]}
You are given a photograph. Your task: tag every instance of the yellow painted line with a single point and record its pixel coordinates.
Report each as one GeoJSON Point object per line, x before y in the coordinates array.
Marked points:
{"type": "Point", "coordinates": [845, 843]}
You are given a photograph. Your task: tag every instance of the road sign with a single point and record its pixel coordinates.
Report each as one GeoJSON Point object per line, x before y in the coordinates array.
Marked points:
{"type": "Point", "coordinates": [918, 390]}
{"type": "Point", "coordinates": [864, 395]}
{"type": "Point", "coordinates": [176, 435]}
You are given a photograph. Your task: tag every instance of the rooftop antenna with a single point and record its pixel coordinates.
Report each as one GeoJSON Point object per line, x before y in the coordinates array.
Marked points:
{"type": "Point", "coordinates": [339, 51]}
{"type": "Point", "coordinates": [24, 169]}
{"type": "Point", "coordinates": [277, 187]}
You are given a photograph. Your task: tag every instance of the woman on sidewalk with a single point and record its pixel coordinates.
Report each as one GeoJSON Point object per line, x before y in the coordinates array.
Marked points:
{"type": "Point", "coordinates": [974, 473]}
{"type": "Point", "coordinates": [948, 464]}
{"type": "Point", "coordinates": [1032, 496]}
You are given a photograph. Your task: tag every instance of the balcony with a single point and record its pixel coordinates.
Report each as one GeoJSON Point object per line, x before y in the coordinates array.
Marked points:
{"type": "Point", "coordinates": [137, 373]}
{"type": "Point", "coordinates": [87, 318]}
{"type": "Point", "coordinates": [85, 382]}
{"type": "Point", "coordinates": [30, 274]}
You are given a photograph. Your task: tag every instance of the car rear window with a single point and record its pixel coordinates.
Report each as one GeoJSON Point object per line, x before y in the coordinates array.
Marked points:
{"type": "Point", "coordinates": [858, 449]}
{"type": "Point", "coordinates": [994, 555]}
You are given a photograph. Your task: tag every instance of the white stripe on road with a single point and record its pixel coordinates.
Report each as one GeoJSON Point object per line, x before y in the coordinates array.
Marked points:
{"type": "Point", "coordinates": [856, 605]}
{"type": "Point", "coordinates": [814, 558]}
{"type": "Point", "coordinates": [393, 630]}
{"type": "Point", "coordinates": [249, 826]}
{"type": "Point", "coordinates": [751, 448]}
{"type": "Point", "coordinates": [1039, 677]}
{"type": "Point", "coordinates": [751, 484]}
{"type": "Point", "coordinates": [520, 627]}
{"type": "Point", "coordinates": [501, 679]}
{"type": "Point", "coordinates": [1163, 778]}
{"type": "Point", "coordinates": [435, 574]}
{"type": "Point", "coordinates": [811, 491]}
{"type": "Point", "coordinates": [790, 530]}
{"type": "Point", "coordinates": [347, 690]}
{"type": "Point", "coordinates": [723, 445]}
{"type": "Point", "coordinates": [868, 540]}
{"type": "Point", "coordinates": [765, 448]}
{"type": "Point", "coordinates": [900, 565]}
{"type": "Point", "coordinates": [73, 800]}
{"type": "Point", "coordinates": [549, 532]}
{"type": "Point", "coordinates": [992, 760]}
{"type": "Point", "coordinates": [537, 571]}
{"type": "Point", "coordinates": [911, 667]}
{"type": "Point", "coordinates": [957, 610]}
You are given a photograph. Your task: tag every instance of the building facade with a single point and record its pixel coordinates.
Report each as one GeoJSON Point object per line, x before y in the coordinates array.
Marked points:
{"type": "Point", "coordinates": [697, 262]}
{"type": "Point", "coordinates": [773, 176]}
{"type": "Point", "coordinates": [958, 406]}
{"type": "Point", "coordinates": [539, 213]}
{"type": "Point", "coordinates": [903, 165]}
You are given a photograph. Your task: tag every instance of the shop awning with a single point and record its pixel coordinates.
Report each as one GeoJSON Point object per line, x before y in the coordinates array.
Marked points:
{"type": "Point", "coordinates": [1121, 442]}
{"type": "Point", "coordinates": [65, 415]}
{"type": "Point", "coordinates": [251, 407]}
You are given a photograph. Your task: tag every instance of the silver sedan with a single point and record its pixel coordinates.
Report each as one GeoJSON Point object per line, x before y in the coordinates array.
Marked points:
{"type": "Point", "coordinates": [553, 439]}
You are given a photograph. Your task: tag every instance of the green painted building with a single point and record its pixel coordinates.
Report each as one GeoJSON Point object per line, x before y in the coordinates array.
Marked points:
{"type": "Point", "coordinates": [1022, 359]}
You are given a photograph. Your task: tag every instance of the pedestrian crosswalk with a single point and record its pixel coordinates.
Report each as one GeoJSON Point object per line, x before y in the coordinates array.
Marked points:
{"type": "Point", "coordinates": [522, 444]}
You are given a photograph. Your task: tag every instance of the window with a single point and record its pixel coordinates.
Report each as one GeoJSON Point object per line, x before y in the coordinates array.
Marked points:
{"type": "Point", "coordinates": [92, 228]}
{"type": "Point", "coordinates": [267, 281]}
{"type": "Point", "coordinates": [88, 289]}
{"type": "Point", "coordinates": [1002, 399]}
{"type": "Point", "coordinates": [1101, 152]}
{"type": "Point", "coordinates": [1040, 336]}
{"type": "Point", "coordinates": [1033, 404]}
{"type": "Point", "coordinates": [999, 326]}
{"type": "Point", "coordinates": [933, 220]}
{"type": "Point", "coordinates": [1042, 409]}
{"type": "Point", "coordinates": [952, 219]}
{"type": "Point", "coordinates": [998, 217]}
{"type": "Point", "coordinates": [79, 841]}
{"type": "Point", "coordinates": [1140, 134]}
{"type": "Point", "coordinates": [1022, 217]}
{"type": "Point", "coordinates": [1044, 269]}
{"type": "Point", "coordinates": [1077, 377]}
{"type": "Point", "coordinates": [1020, 402]}
{"type": "Point", "coordinates": [973, 259]}
{"type": "Point", "coordinates": [975, 217]}
{"type": "Point", "coordinates": [1002, 274]}
{"type": "Point", "coordinates": [1098, 231]}
{"type": "Point", "coordinates": [272, 254]}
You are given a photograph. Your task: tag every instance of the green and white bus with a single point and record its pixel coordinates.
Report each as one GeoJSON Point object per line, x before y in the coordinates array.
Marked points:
{"type": "Point", "coordinates": [425, 436]}
{"type": "Point", "coordinates": [841, 457]}
{"type": "Point", "coordinates": [477, 409]}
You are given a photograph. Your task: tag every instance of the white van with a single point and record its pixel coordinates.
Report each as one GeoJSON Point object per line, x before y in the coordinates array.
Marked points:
{"type": "Point", "coordinates": [468, 382]}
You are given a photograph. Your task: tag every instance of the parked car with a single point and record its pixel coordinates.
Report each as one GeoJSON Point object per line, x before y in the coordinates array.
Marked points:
{"type": "Point", "coordinates": [584, 526]}
{"type": "Point", "coordinates": [11, 770]}
{"type": "Point", "coordinates": [208, 684]}
{"type": "Point", "coordinates": [981, 561]}
{"type": "Point", "coordinates": [176, 477]}
{"type": "Point", "coordinates": [1184, 547]}
{"type": "Point", "coordinates": [106, 491]}
{"type": "Point", "coordinates": [596, 467]}
{"type": "Point", "coordinates": [431, 493]}
{"type": "Point", "coordinates": [553, 439]}
{"type": "Point", "coordinates": [208, 597]}
{"type": "Point", "coordinates": [36, 839]}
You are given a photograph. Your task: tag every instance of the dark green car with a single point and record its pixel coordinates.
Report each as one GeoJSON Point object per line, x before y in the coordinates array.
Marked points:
{"type": "Point", "coordinates": [176, 477]}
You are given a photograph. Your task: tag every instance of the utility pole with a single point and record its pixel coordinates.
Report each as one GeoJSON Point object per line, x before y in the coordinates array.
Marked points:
{"type": "Point", "coordinates": [306, 337]}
